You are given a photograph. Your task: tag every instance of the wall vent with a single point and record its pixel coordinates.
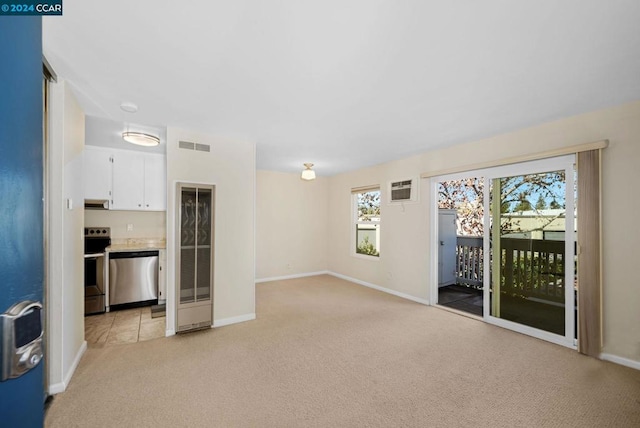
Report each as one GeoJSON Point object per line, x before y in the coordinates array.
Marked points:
{"type": "Point", "coordinates": [195, 326]}
{"type": "Point", "coordinates": [188, 145]}
{"type": "Point", "coordinates": [203, 147]}
{"type": "Point", "coordinates": [403, 191]}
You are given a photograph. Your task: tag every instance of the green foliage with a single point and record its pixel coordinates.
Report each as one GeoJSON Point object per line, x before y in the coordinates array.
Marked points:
{"type": "Point", "coordinates": [523, 205]}
{"type": "Point", "coordinates": [554, 205]}
{"type": "Point", "coordinates": [366, 247]}
{"type": "Point", "coordinates": [541, 204]}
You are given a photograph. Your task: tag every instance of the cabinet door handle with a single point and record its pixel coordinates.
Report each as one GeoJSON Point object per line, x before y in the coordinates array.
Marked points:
{"type": "Point", "coordinates": [139, 205]}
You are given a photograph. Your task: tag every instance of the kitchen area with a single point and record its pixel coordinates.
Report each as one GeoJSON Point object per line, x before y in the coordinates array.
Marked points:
{"type": "Point", "coordinates": [124, 234]}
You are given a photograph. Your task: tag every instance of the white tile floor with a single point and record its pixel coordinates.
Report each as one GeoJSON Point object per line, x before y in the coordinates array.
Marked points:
{"type": "Point", "coordinates": [126, 326]}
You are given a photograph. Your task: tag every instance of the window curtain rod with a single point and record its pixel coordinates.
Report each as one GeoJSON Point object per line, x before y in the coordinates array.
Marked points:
{"type": "Point", "coordinates": [364, 189]}
{"type": "Point", "coordinates": [517, 159]}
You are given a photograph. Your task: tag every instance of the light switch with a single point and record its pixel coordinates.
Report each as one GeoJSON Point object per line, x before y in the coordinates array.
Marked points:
{"type": "Point", "coordinates": [69, 203]}
{"type": "Point", "coordinates": [129, 227]}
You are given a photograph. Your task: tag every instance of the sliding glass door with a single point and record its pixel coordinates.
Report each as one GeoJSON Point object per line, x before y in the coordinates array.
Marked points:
{"type": "Point", "coordinates": [528, 246]}
{"type": "Point", "coordinates": [531, 237]}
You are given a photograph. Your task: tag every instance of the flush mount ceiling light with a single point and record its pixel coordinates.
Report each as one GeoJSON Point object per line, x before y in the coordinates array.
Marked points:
{"type": "Point", "coordinates": [308, 173]}
{"type": "Point", "coordinates": [140, 139]}
{"type": "Point", "coordinates": [128, 107]}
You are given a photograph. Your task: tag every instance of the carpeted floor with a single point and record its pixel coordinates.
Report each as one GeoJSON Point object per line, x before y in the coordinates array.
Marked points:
{"type": "Point", "coordinates": [327, 353]}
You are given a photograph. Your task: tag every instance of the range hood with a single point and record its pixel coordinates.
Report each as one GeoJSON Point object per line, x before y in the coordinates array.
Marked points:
{"type": "Point", "coordinates": [96, 204]}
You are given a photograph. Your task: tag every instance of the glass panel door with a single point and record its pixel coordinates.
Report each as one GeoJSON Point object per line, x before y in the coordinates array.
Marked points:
{"type": "Point", "coordinates": [530, 242]}
{"type": "Point", "coordinates": [203, 270]}
{"type": "Point", "coordinates": [188, 214]}
{"type": "Point", "coordinates": [528, 252]}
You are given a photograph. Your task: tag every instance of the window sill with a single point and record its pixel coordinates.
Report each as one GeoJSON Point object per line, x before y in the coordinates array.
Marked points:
{"type": "Point", "coordinates": [365, 257]}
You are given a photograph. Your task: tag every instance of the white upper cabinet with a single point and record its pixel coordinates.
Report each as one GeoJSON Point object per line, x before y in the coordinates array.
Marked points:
{"type": "Point", "coordinates": [128, 181]}
{"type": "Point", "coordinates": [131, 181]}
{"type": "Point", "coordinates": [155, 182]}
{"type": "Point", "coordinates": [97, 173]}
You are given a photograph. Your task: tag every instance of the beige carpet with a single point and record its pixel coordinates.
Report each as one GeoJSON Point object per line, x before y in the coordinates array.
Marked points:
{"type": "Point", "coordinates": [327, 353]}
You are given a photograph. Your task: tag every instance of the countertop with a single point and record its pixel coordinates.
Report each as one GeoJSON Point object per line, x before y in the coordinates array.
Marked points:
{"type": "Point", "coordinates": [135, 244]}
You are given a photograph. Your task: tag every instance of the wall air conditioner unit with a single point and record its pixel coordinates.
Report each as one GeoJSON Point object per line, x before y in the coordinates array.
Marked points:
{"type": "Point", "coordinates": [402, 191]}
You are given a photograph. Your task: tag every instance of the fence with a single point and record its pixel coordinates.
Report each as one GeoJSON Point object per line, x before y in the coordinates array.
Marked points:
{"type": "Point", "coordinates": [529, 267]}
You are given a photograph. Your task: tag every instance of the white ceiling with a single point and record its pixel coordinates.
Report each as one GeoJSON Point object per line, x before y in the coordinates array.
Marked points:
{"type": "Point", "coordinates": [108, 133]}
{"type": "Point", "coordinates": [347, 83]}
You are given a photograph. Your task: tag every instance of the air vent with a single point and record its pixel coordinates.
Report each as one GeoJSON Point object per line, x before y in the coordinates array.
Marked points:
{"type": "Point", "coordinates": [188, 145]}
{"type": "Point", "coordinates": [195, 326]}
{"type": "Point", "coordinates": [203, 147]}
{"type": "Point", "coordinates": [403, 191]}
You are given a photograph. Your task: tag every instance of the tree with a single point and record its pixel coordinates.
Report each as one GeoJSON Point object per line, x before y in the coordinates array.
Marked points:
{"type": "Point", "coordinates": [516, 194]}
{"type": "Point", "coordinates": [466, 196]}
{"type": "Point", "coordinates": [368, 205]}
{"type": "Point", "coordinates": [541, 204]}
{"type": "Point", "coordinates": [554, 205]}
{"type": "Point", "coordinates": [523, 205]}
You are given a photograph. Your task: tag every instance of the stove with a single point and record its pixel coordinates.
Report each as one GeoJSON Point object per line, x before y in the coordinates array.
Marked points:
{"type": "Point", "coordinates": [96, 240]}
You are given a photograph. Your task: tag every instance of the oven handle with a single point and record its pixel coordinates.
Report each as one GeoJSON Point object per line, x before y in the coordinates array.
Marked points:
{"type": "Point", "coordinates": [93, 256]}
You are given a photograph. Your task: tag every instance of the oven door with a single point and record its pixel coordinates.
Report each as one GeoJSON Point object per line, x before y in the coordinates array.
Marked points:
{"type": "Point", "coordinates": [94, 281]}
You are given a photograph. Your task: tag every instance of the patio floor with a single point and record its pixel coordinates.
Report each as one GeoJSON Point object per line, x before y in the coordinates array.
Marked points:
{"type": "Point", "coordinates": [523, 311]}
{"type": "Point", "coordinates": [461, 298]}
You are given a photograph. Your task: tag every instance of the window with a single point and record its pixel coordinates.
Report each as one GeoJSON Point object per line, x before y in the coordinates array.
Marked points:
{"type": "Point", "coordinates": [366, 214]}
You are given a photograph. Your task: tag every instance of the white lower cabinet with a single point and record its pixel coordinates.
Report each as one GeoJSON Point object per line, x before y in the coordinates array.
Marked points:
{"type": "Point", "coordinates": [162, 277]}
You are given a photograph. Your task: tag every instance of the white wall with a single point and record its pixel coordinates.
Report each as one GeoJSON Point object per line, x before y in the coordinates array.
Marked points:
{"type": "Point", "coordinates": [403, 229]}
{"type": "Point", "coordinates": [66, 244]}
{"type": "Point", "coordinates": [230, 166]}
{"type": "Point", "coordinates": [403, 264]}
{"type": "Point", "coordinates": [146, 224]}
{"type": "Point", "coordinates": [291, 225]}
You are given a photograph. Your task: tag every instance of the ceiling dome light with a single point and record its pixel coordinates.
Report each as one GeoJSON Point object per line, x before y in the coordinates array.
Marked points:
{"type": "Point", "coordinates": [128, 107]}
{"type": "Point", "coordinates": [140, 139]}
{"type": "Point", "coordinates": [308, 173]}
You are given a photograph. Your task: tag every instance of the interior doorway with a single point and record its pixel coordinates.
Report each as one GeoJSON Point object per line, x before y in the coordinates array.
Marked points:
{"type": "Point", "coordinates": [509, 234]}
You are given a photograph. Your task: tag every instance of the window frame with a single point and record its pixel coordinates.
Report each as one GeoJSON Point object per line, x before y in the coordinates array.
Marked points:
{"type": "Point", "coordinates": [356, 222]}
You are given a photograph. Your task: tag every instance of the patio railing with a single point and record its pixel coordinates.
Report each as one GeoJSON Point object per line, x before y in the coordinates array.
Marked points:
{"type": "Point", "coordinates": [531, 268]}
{"type": "Point", "coordinates": [469, 265]}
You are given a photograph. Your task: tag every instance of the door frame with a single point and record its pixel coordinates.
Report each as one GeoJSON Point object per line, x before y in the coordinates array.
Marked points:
{"type": "Point", "coordinates": [566, 163]}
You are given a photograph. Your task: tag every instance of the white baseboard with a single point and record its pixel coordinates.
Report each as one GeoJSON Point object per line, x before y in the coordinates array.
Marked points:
{"type": "Point", "coordinates": [233, 320]}
{"type": "Point", "coordinates": [58, 388]}
{"type": "Point", "coordinates": [297, 275]}
{"type": "Point", "coordinates": [377, 287]}
{"type": "Point", "coordinates": [622, 361]}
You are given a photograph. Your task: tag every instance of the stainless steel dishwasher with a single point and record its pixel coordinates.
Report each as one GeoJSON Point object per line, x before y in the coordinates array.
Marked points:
{"type": "Point", "coordinates": [133, 277]}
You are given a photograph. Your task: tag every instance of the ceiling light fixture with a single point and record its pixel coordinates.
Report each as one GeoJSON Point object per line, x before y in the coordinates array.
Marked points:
{"type": "Point", "coordinates": [128, 107]}
{"type": "Point", "coordinates": [308, 173]}
{"type": "Point", "coordinates": [140, 139]}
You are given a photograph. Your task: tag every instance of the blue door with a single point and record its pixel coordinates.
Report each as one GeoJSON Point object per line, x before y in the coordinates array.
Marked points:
{"type": "Point", "coordinates": [21, 245]}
